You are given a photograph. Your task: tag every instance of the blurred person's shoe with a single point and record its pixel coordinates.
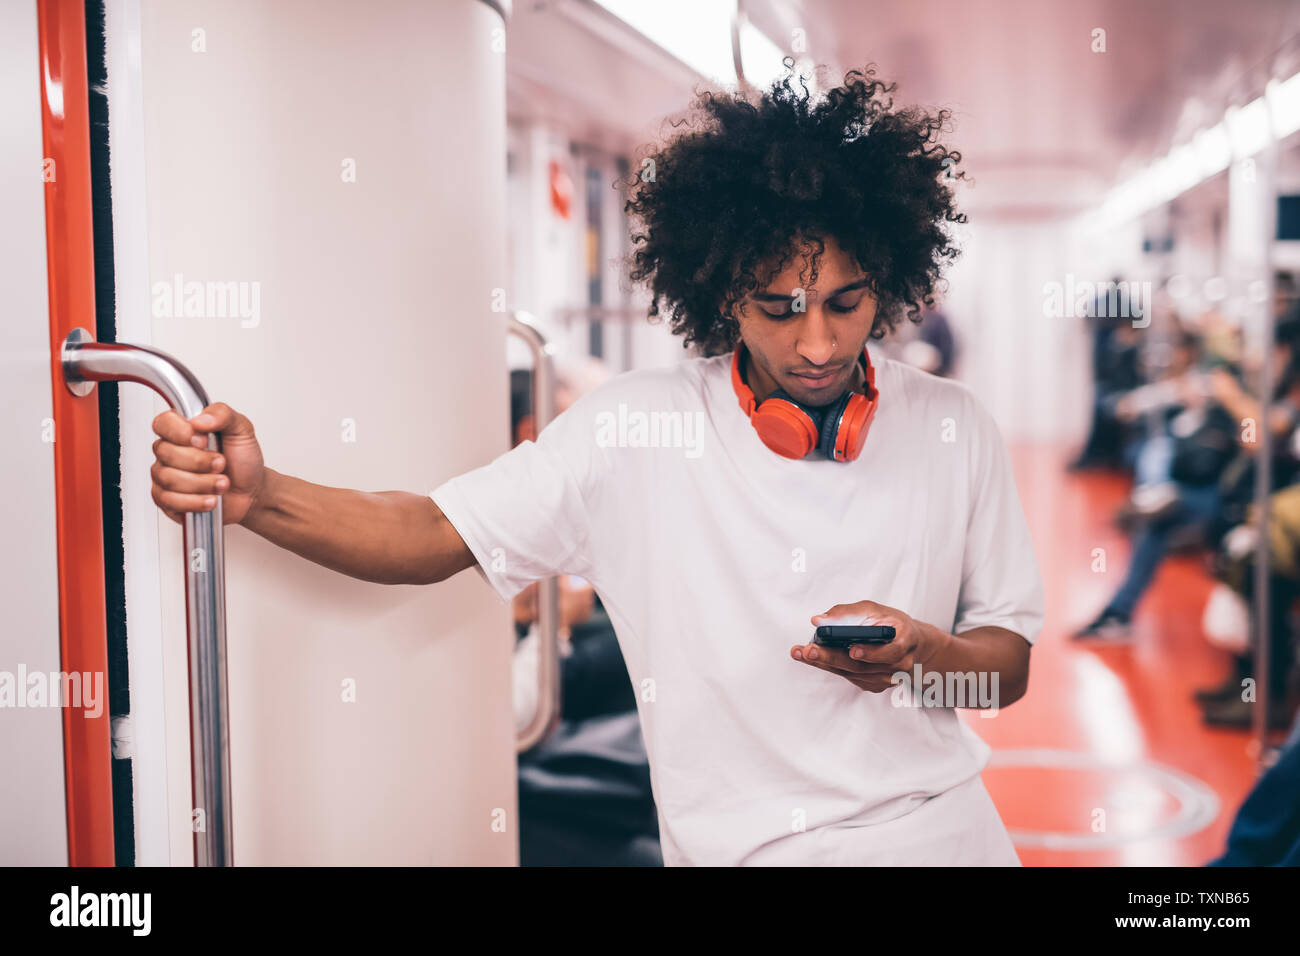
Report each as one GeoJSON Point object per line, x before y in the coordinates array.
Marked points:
{"type": "Point", "coordinates": [1108, 626]}
{"type": "Point", "coordinates": [1240, 541]}
{"type": "Point", "coordinates": [1126, 518]}
{"type": "Point", "coordinates": [1228, 689]}
{"type": "Point", "coordinates": [1235, 712]}
{"type": "Point", "coordinates": [1154, 501]}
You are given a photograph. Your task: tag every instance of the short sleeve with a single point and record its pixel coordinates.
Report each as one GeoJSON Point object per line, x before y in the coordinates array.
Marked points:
{"type": "Point", "coordinates": [1001, 585]}
{"type": "Point", "coordinates": [523, 516]}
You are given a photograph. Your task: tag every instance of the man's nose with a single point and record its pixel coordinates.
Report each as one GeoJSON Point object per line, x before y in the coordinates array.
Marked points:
{"type": "Point", "coordinates": [816, 342]}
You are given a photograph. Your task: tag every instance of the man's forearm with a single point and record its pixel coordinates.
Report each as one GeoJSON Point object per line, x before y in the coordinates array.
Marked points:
{"type": "Point", "coordinates": [387, 537]}
{"type": "Point", "coordinates": [981, 651]}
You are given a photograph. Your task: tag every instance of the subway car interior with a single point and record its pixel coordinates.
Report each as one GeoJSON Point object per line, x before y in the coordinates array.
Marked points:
{"type": "Point", "coordinates": [604, 433]}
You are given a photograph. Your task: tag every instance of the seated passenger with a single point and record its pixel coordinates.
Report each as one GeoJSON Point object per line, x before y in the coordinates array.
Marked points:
{"type": "Point", "coordinates": [1198, 464]}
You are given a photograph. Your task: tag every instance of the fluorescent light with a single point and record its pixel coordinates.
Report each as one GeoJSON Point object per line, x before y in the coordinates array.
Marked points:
{"type": "Point", "coordinates": [1213, 150]}
{"type": "Point", "coordinates": [697, 32]}
{"type": "Point", "coordinates": [1183, 169]}
{"type": "Point", "coordinates": [760, 57]}
{"type": "Point", "coordinates": [1243, 132]}
{"type": "Point", "coordinates": [1248, 128]}
{"type": "Point", "coordinates": [1284, 105]}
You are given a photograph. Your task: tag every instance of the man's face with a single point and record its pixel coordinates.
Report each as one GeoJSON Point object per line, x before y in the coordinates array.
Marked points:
{"type": "Point", "coordinates": [792, 350]}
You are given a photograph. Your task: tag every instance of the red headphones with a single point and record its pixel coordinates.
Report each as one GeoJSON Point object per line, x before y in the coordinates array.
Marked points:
{"type": "Point", "coordinates": [792, 429]}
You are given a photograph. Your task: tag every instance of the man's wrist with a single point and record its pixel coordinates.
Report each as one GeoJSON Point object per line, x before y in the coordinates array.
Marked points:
{"type": "Point", "coordinates": [933, 646]}
{"type": "Point", "coordinates": [263, 500]}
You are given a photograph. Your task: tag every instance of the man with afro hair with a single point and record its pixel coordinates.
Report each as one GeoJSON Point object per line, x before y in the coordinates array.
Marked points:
{"type": "Point", "coordinates": [780, 479]}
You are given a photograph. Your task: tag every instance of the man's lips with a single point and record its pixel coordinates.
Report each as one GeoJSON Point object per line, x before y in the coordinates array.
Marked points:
{"type": "Point", "coordinates": [820, 379]}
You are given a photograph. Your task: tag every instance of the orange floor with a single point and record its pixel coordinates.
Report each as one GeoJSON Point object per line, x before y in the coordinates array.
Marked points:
{"type": "Point", "coordinates": [1105, 761]}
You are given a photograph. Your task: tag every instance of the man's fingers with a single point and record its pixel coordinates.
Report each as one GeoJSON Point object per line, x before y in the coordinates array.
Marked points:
{"type": "Point", "coordinates": [841, 610]}
{"type": "Point", "coordinates": [187, 477]}
{"type": "Point", "coordinates": [186, 482]}
{"type": "Point", "coordinates": [217, 417]}
{"type": "Point", "coordinates": [875, 680]}
{"type": "Point", "coordinates": [220, 417]}
{"type": "Point", "coordinates": [882, 654]}
{"type": "Point", "coordinates": [857, 611]}
{"type": "Point", "coordinates": [188, 458]}
{"type": "Point", "coordinates": [835, 659]}
{"type": "Point", "coordinates": [169, 426]}
{"type": "Point", "coordinates": [175, 501]}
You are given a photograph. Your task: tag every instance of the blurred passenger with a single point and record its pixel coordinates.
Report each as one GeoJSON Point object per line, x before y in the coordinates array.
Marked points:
{"type": "Point", "coordinates": [936, 332]}
{"type": "Point", "coordinates": [928, 345]}
{"type": "Point", "coordinates": [1266, 830]}
{"type": "Point", "coordinates": [1225, 704]}
{"type": "Point", "coordinates": [1158, 406]}
{"type": "Point", "coordinates": [1222, 339]}
{"type": "Point", "coordinates": [1204, 438]}
{"type": "Point", "coordinates": [1232, 703]}
{"type": "Point", "coordinates": [584, 792]}
{"type": "Point", "coordinates": [1115, 371]}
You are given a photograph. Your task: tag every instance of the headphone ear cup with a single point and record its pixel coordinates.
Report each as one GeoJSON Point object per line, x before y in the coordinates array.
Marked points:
{"type": "Point", "coordinates": [828, 432]}
{"type": "Point", "coordinates": [785, 426]}
{"type": "Point", "coordinates": [852, 433]}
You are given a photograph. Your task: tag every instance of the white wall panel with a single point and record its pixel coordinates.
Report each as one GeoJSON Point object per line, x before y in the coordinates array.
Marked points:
{"type": "Point", "coordinates": [373, 314]}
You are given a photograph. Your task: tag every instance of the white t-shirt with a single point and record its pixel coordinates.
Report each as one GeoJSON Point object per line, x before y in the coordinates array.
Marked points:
{"type": "Point", "coordinates": [710, 554]}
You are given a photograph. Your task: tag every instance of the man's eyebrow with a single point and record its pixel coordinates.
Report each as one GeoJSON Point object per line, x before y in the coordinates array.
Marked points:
{"type": "Point", "coordinates": [859, 284]}
{"type": "Point", "coordinates": [774, 297]}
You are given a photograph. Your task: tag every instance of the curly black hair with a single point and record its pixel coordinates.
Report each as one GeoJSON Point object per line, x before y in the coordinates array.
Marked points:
{"type": "Point", "coordinates": [745, 184]}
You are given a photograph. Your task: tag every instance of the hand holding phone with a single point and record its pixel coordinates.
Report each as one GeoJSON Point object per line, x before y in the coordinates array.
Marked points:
{"type": "Point", "coordinates": [847, 635]}
{"type": "Point", "coordinates": [887, 641]}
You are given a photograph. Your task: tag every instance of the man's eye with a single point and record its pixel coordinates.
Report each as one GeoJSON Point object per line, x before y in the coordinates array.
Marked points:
{"type": "Point", "coordinates": [779, 315]}
{"type": "Point", "coordinates": [841, 307]}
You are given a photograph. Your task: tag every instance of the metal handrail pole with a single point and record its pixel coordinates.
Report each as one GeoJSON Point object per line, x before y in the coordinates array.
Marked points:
{"type": "Point", "coordinates": [547, 714]}
{"type": "Point", "coordinates": [84, 363]}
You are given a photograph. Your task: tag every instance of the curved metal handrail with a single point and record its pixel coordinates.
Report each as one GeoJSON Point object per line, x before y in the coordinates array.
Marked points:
{"type": "Point", "coordinates": [547, 715]}
{"type": "Point", "coordinates": [84, 363]}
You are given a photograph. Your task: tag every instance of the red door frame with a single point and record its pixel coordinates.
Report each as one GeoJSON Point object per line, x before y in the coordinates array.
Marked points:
{"type": "Point", "coordinates": [69, 240]}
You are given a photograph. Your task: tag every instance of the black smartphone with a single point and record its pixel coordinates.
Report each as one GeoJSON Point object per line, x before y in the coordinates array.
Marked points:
{"type": "Point", "coordinates": [845, 635]}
